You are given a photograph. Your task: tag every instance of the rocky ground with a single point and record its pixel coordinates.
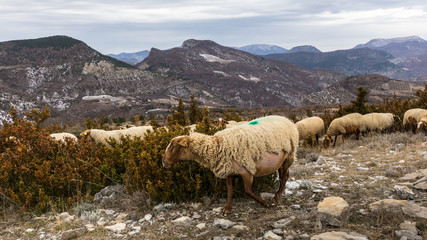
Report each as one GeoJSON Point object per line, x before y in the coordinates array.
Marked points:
{"type": "Point", "coordinates": [374, 188]}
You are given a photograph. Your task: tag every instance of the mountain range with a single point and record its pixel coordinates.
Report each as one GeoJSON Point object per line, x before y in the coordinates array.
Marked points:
{"type": "Point", "coordinates": [76, 81]}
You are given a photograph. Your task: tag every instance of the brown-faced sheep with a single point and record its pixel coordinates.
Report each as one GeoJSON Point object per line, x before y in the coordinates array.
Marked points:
{"type": "Point", "coordinates": [310, 127]}
{"type": "Point", "coordinates": [62, 137]}
{"type": "Point", "coordinates": [412, 118]}
{"type": "Point", "coordinates": [254, 149]}
{"type": "Point", "coordinates": [378, 122]}
{"type": "Point", "coordinates": [422, 124]}
{"type": "Point", "coordinates": [346, 125]}
{"type": "Point", "coordinates": [102, 136]}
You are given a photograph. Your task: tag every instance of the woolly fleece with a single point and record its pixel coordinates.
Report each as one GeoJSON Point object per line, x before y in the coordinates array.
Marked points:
{"type": "Point", "coordinates": [62, 136]}
{"type": "Point", "coordinates": [311, 126]}
{"type": "Point", "coordinates": [378, 121]}
{"type": "Point", "coordinates": [337, 126]}
{"type": "Point", "coordinates": [245, 144]}
{"type": "Point", "coordinates": [416, 113]}
{"type": "Point", "coordinates": [99, 135]}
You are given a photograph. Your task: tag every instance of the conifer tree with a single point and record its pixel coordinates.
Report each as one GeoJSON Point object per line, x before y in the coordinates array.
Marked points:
{"type": "Point", "coordinates": [194, 111]}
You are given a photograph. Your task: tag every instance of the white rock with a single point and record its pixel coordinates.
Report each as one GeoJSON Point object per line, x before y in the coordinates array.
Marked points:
{"type": "Point", "coordinates": [116, 227]}
{"type": "Point", "coordinates": [110, 212]}
{"type": "Point", "coordinates": [240, 227]}
{"type": "Point", "coordinates": [270, 235]}
{"type": "Point", "coordinates": [339, 235]}
{"type": "Point", "coordinates": [217, 210]}
{"type": "Point", "coordinates": [201, 226]}
{"type": "Point", "coordinates": [148, 217]}
{"type": "Point", "coordinates": [122, 216]}
{"type": "Point", "coordinates": [184, 220]}
{"type": "Point", "coordinates": [30, 230]}
{"type": "Point", "coordinates": [90, 227]}
{"type": "Point", "coordinates": [223, 223]}
{"type": "Point", "coordinates": [282, 223]}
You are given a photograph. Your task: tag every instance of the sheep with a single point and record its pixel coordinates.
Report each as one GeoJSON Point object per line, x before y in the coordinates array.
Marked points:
{"type": "Point", "coordinates": [346, 125]}
{"type": "Point", "coordinates": [253, 149]}
{"type": "Point", "coordinates": [422, 124]}
{"type": "Point", "coordinates": [378, 122]}
{"type": "Point", "coordinates": [62, 137]}
{"type": "Point", "coordinates": [99, 135]}
{"type": "Point", "coordinates": [412, 118]}
{"type": "Point", "coordinates": [309, 127]}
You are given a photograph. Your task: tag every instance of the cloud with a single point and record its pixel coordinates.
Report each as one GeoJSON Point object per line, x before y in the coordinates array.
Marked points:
{"type": "Point", "coordinates": [133, 25]}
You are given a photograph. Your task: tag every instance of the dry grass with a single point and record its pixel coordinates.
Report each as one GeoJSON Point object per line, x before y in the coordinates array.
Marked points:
{"type": "Point", "coordinates": [364, 171]}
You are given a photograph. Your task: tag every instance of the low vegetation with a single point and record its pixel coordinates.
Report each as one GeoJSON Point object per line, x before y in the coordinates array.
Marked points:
{"type": "Point", "coordinates": [38, 174]}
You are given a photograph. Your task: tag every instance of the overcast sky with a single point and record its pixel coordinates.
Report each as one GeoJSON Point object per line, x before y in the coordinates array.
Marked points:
{"type": "Point", "coordinates": [112, 26]}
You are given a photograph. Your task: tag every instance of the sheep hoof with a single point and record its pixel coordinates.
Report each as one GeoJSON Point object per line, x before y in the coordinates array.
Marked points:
{"type": "Point", "coordinates": [225, 212]}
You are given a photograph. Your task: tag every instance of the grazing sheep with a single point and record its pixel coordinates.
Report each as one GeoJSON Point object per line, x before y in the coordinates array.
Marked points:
{"type": "Point", "coordinates": [422, 124]}
{"type": "Point", "coordinates": [378, 122]}
{"type": "Point", "coordinates": [99, 135]}
{"type": "Point", "coordinates": [62, 137]}
{"type": "Point", "coordinates": [309, 127]}
{"type": "Point", "coordinates": [346, 125]}
{"type": "Point", "coordinates": [412, 118]}
{"type": "Point", "coordinates": [254, 149]}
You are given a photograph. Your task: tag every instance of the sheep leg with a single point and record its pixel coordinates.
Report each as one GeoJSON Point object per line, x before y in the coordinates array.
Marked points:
{"type": "Point", "coordinates": [228, 204]}
{"type": "Point", "coordinates": [335, 142]}
{"type": "Point", "coordinates": [283, 176]}
{"type": "Point", "coordinates": [248, 179]}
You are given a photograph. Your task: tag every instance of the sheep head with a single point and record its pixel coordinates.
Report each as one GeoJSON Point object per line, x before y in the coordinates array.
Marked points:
{"type": "Point", "coordinates": [176, 151]}
{"type": "Point", "coordinates": [326, 141]}
{"type": "Point", "coordinates": [422, 125]}
{"type": "Point", "coordinates": [85, 135]}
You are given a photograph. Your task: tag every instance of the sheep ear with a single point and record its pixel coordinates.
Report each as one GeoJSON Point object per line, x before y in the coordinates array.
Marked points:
{"type": "Point", "coordinates": [183, 142]}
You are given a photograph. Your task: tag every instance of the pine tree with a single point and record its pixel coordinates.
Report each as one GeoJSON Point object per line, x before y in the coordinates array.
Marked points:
{"type": "Point", "coordinates": [194, 111]}
{"type": "Point", "coordinates": [180, 114]}
{"type": "Point", "coordinates": [359, 104]}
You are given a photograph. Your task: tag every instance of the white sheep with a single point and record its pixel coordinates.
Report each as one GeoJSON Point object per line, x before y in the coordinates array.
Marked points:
{"type": "Point", "coordinates": [412, 118]}
{"type": "Point", "coordinates": [102, 136]}
{"type": "Point", "coordinates": [62, 137]}
{"type": "Point", "coordinates": [254, 149]}
{"type": "Point", "coordinates": [310, 127]}
{"type": "Point", "coordinates": [346, 126]}
{"type": "Point", "coordinates": [378, 122]}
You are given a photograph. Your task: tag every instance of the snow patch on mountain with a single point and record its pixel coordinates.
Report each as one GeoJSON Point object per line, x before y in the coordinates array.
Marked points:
{"type": "Point", "coordinates": [212, 58]}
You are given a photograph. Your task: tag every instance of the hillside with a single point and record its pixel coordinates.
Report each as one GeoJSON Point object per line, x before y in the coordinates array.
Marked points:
{"type": "Point", "coordinates": [379, 87]}
{"type": "Point", "coordinates": [130, 58]}
{"type": "Point", "coordinates": [60, 71]}
{"type": "Point", "coordinates": [227, 75]}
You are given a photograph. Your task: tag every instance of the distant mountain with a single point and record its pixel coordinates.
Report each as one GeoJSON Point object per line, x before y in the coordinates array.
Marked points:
{"type": "Point", "coordinates": [262, 49]}
{"type": "Point", "coordinates": [349, 62]}
{"type": "Point", "coordinates": [131, 58]}
{"type": "Point", "coordinates": [229, 76]}
{"type": "Point", "coordinates": [398, 58]}
{"type": "Point", "coordinates": [403, 47]}
{"type": "Point", "coordinates": [304, 48]}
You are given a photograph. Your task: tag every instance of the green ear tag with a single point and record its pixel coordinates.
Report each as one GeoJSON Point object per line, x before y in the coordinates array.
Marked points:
{"type": "Point", "coordinates": [253, 122]}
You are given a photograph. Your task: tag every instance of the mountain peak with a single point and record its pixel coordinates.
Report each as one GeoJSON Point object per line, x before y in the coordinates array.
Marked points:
{"type": "Point", "coordinates": [192, 43]}
{"type": "Point", "coordinates": [58, 41]}
{"type": "Point", "coordinates": [381, 42]}
{"type": "Point", "coordinates": [304, 48]}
